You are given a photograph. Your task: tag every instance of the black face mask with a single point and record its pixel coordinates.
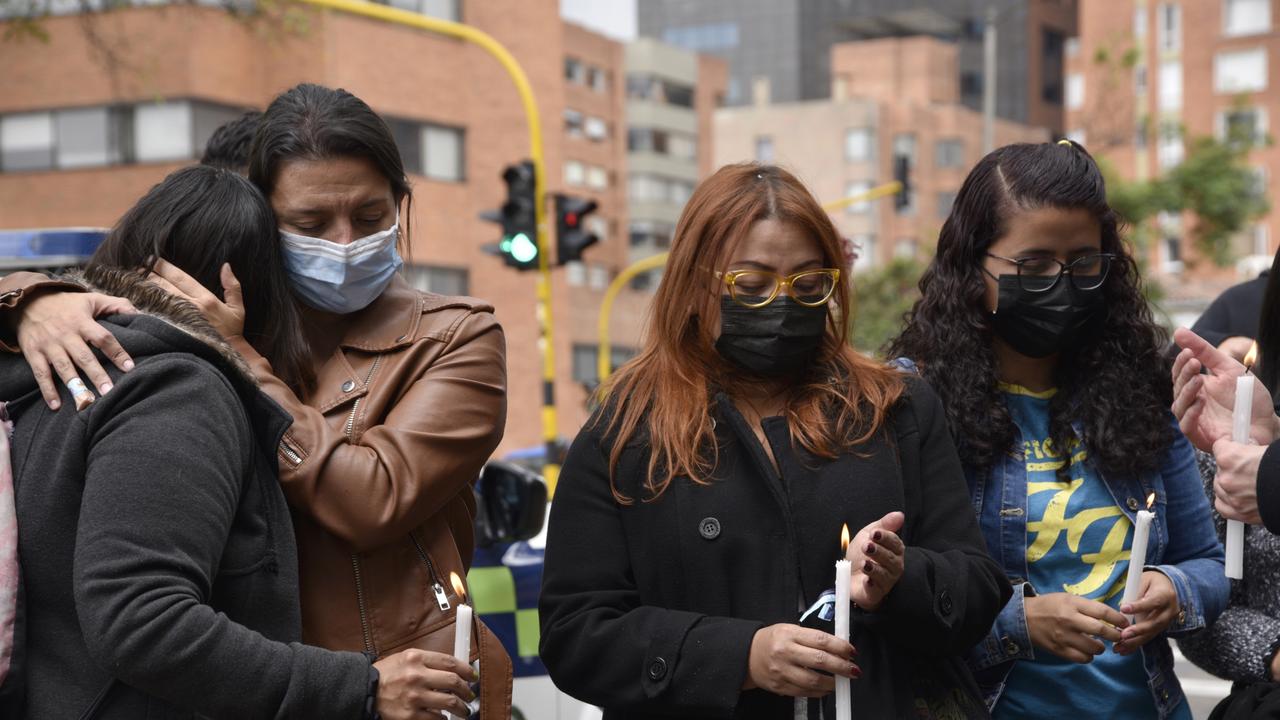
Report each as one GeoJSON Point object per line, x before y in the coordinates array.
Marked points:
{"type": "Point", "coordinates": [780, 338]}
{"type": "Point", "coordinates": [1040, 324]}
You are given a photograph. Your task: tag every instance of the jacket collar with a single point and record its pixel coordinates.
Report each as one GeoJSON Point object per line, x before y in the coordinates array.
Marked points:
{"type": "Point", "coordinates": [391, 321]}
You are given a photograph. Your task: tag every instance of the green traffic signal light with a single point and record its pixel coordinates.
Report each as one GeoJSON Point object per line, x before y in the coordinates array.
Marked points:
{"type": "Point", "coordinates": [521, 247]}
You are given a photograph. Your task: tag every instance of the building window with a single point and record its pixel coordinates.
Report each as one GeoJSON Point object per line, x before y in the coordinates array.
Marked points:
{"type": "Point", "coordinates": [1140, 134]}
{"type": "Point", "coordinates": [585, 360]}
{"type": "Point", "coordinates": [597, 178]}
{"type": "Point", "coordinates": [596, 128]}
{"type": "Point", "coordinates": [443, 9]}
{"type": "Point", "coordinates": [650, 235]}
{"type": "Point", "coordinates": [1072, 48]}
{"type": "Point", "coordinates": [648, 87]}
{"type": "Point", "coordinates": [1240, 71]}
{"type": "Point", "coordinates": [1139, 81]}
{"type": "Point", "coordinates": [573, 123]}
{"type": "Point", "coordinates": [682, 146]}
{"type": "Point", "coordinates": [598, 79]}
{"type": "Point", "coordinates": [1261, 239]}
{"type": "Point", "coordinates": [663, 142]}
{"type": "Point", "coordinates": [162, 131]}
{"type": "Point", "coordinates": [1246, 17]}
{"type": "Point", "coordinates": [438, 279]}
{"type": "Point", "coordinates": [1171, 85]}
{"type": "Point", "coordinates": [857, 144]}
{"type": "Point", "coordinates": [905, 248]}
{"type": "Point", "coordinates": [1171, 254]}
{"type": "Point", "coordinates": [1051, 70]}
{"type": "Point", "coordinates": [764, 149]}
{"type": "Point", "coordinates": [1169, 19]}
{"type": "Point", "coordinates": [703, 38]}
{"type": "Point", "coordinates": [945, 201]}
{"type": "Point", "coordinates": [575, 173]}
{"type": "Point", "coordinates": [1170, 150]}
{"type": "Point", "coordinates": [865, 246]}
{"type": "Point", "coordinates": [1077, 136]}
{"type": "Point", "coordinates": [442, 155]}
{"type": "Point", "coordinates": [1075, 91]}
{"type": "Point", "coordinates": [948, 153]}
{"type": "Point", "coordinates": [854, 189]}
{"type": "Point", "coordinates": [970, 84]}
{"type": "Point", "coordinates": [574, 71]}
{"type": "Point", "coordinates": [680, 191]}
{"type": "Point", "coordinates": [89, 137]}
{"type": "Point", "coordinates": [26, 141]}
{"type": "Point", "coordinates": [1242, 125]}
{"type": "Point", "coordinates": [904, 145]}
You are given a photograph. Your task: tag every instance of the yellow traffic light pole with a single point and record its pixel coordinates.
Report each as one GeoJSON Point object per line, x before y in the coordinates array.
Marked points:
{"type": "Point", "coordinates": [603, 365]}
{"type": "Point", "coordinates": [551, 470]}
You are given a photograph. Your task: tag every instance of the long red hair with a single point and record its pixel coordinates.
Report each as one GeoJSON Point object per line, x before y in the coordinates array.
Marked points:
{"type": "Point", "coordinates": [667, 390]}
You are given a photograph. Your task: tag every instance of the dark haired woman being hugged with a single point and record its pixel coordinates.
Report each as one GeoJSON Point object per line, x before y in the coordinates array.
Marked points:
{"type": "Point", "coordinates": [700, 512]}
{"type": "Point", "coordinates": [397, 405]}
{"type": "Point", "coordinates": [159, 568]}
{"type": "Point", "coordinates": [1034, 332]}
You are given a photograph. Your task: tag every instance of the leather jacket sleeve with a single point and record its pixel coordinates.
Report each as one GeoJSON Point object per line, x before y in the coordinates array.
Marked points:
{"type": "Point", "coordinates": [15, 289]}
{"type": "Point", "coordinates": [430, 447]}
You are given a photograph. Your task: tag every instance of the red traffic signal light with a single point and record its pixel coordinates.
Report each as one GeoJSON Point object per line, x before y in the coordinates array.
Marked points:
{"type": "Point", "coordinates": [571, 239]}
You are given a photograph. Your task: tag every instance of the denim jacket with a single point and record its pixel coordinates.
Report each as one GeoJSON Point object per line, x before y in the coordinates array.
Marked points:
{"type": "Point", "coordinates": [1192, 558]}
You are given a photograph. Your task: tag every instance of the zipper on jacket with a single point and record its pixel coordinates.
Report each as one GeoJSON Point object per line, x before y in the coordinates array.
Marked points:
{"type": "Point", "coordinates": [293, 456]}
{"type": "Point", "coordinates": [364, 618]}
{"type": "Point", "coordinates": [355, 559]}
{"type": "Point", "coordinates": [351, 419]}
{"type": "Point", "coordinates": [442, 599]}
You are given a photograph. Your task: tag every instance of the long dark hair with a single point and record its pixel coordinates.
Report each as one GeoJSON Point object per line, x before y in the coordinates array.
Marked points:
{"type": "Point", "coordinates": [1114, 382]}
{"type": "Point", "coordinates": [664, 394]}
{"type": "Point", "coordinates": [198, 218]}
{"type": "Point", "coordinates": [313, 122]}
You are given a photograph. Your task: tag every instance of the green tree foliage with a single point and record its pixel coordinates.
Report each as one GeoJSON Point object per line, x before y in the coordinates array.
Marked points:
{"type": "Point", "coordinates": [882, 298]}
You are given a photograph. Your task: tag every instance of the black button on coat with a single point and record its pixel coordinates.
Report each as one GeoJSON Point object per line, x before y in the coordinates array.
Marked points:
{"type": "Point", "coordinates": [644, 616]}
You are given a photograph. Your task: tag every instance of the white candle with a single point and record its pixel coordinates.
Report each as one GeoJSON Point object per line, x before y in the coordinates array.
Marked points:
{"type": "Point", "coordinates": [462, 624]}
{"type": "Point", "coordinates": [844, 578]}
{"type": "Point", "coordinates": [1241, 416]}
{"type": "Point", "coordinates": [1137, 557]}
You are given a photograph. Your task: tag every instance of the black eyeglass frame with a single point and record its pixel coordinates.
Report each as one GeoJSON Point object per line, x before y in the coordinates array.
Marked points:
{"type": "Point", "coordinates": [1063, 269]}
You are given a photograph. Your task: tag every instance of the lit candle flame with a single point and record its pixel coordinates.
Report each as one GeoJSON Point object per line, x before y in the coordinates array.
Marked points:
{"type": "Point", "coordinates": [844, 538]}
{"type": "Point", "coordinates": [1251, 357]}
{"type": "Point", "coordinates": [458, 587]}
{"type": "Point", "coordinates": [1151, 499]}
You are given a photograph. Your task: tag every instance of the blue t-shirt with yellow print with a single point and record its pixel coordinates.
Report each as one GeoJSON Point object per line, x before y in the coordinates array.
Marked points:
{"type": "Point", "coordinates": [1078, 542]}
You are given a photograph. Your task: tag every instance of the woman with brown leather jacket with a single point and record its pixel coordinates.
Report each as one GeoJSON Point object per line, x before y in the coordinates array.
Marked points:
{"type": "Point", "coordinates": [404, 399]}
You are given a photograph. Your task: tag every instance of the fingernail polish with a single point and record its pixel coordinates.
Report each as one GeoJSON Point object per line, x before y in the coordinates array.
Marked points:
{"type": "Point", "coordinates": [866, 566]}
{"type": "Point", "coordinates": [55, 405]}
{"type": "Point", "coordinates": [855, 674]}
{"type": "Point", "coordinates": [128, 365]}
{"type": "Point", "coordinates": [871, 549]}
{"type": "Point", "coordinates": [876, 536]}
{"type": "Point", "coordinates": [105, 388]}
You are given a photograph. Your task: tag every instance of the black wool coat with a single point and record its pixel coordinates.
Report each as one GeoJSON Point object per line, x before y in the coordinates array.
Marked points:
{"type": "Point", "coordinates": [649, 609]}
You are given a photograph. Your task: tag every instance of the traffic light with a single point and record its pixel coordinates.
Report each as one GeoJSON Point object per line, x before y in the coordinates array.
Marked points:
{"type": "Point", "coordinates": [572, 236]}
{"type": "Point", "coordinates": [519, 219]}
{"type": "Point", "coordinates": [902, 174]}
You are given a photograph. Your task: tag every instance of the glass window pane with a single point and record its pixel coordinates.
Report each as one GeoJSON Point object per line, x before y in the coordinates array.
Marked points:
{"type": "Point", "coordinates": [596, 128]}
{"type": "Point", "coordinates": [206, 118]}
{"type": "Point", "coordinates": [87, 138]}
{"type": "Point", "coordinates": [855, 189]}
{"type": "Point", "coordinates": [408, 137]}
{"type": "Point", "coordinates": [574, 173]}
{"type": "Point", "coordinates": [764, 149]}
{"type": "Point", "coordinates": [1244, 71]}
{"type": "Point", "coordinates": [1246, 17]}
{"type": "Point", "coordinates": [162, 131]}
{"type": "Point", "coordinates": [438, 280]}
{"type": "Point", "coordinates": [857, 145]}
{"type": "Point", "coordinates": [442, 153]}
{"type": "Point", "coordinates": [443, 9]}
{"type": "Point", "coordinates": [1171, 85]}
{"type": "Point", "coordinates": [597, 178]}
{"type": "Point", "coordinates": [26, 141]}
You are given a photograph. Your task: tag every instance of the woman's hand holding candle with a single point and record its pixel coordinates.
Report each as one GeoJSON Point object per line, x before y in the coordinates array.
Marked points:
{"type": "Point", "coordinates": [1235, 487]}
{"type": "Point", "coordinates": [795, 661]}
{"type": "Point", "coordinates": [1155, 610]}
{"type": "Point", "coordinates": [878, 558]}
{"type": "Point", "coordinates": [1203, 403]}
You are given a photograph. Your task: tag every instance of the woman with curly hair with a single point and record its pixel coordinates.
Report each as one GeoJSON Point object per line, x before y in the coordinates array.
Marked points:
{"type": "Point", "coordinates": [700, 511]}
{"type": "Point", "coordinates": [1033, 330]}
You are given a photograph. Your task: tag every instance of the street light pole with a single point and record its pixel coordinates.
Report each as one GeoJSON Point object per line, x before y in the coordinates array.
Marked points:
{"type": "Point", "coordinates": [989, 80]}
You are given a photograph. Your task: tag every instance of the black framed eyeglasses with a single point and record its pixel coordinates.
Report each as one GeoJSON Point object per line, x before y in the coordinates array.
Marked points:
{"type": "Point", "coordinates": [1041, 274]}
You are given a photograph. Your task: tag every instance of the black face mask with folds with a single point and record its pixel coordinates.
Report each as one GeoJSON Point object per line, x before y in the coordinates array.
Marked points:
{"type": "Point", "coordinates": [781, 338]}
{"type": "Point", "coordinates": [1040, 324]}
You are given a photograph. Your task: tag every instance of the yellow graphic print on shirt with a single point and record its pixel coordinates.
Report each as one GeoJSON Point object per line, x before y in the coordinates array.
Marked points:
{"type": "Point", "coordinates": [1081, 515]}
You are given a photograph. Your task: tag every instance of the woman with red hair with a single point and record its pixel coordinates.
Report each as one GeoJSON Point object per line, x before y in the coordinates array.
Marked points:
{"type": "Point", "coordinates": [699, 513]}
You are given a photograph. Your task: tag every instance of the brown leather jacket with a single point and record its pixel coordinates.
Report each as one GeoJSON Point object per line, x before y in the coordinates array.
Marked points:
{"type": "Point", "coordinates": [378, 466]}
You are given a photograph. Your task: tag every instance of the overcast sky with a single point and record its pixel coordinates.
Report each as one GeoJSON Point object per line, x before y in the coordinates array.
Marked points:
{"type": "Point", "coordinates": [615, 18]}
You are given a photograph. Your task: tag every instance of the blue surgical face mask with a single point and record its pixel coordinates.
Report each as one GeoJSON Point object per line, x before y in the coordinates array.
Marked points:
{"type": "Point", "coordinates": [341, 278]}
